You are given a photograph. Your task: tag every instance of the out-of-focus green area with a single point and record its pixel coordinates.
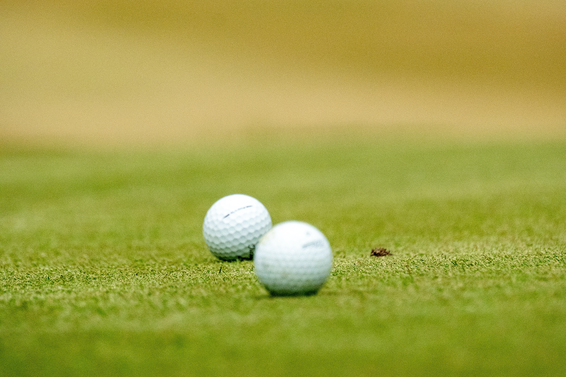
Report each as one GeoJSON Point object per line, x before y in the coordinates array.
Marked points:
{"type": "Point", "coordinates": [516, 42]}
{"type": "Point", "coordinates": [185, 64]}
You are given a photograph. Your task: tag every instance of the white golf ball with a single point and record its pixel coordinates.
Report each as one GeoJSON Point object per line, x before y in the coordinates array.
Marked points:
{"type": "Point", "coordinates": [293, 258]}
{"type": "Point", "coordinates": [233, 226]}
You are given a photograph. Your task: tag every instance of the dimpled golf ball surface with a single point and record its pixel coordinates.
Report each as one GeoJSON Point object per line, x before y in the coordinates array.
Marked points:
{"type": "Point", "coordinates": [233, 226]}
{"type": "Point", "coordinates": [293, 258]}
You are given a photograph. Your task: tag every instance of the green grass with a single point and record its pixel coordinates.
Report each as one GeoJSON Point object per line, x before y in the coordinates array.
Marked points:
{"type": "Point", "coordinates": [104, 271]}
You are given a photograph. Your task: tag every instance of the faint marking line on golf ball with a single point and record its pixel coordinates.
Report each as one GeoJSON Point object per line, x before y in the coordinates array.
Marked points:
{"type": "Point", "coordinates": [315, 243]}
{"type": "Point", "coordinates": [239, 209]}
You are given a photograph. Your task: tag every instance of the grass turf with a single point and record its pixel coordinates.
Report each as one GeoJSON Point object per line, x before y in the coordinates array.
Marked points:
{"type": "Point", "coordinates": [103, 269]}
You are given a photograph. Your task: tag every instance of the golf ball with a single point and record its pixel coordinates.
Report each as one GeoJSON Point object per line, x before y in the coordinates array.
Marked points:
{"type": "Point", "coordinates": [233, 226]}
{"type": "Point", "coordinates": [293, 258]}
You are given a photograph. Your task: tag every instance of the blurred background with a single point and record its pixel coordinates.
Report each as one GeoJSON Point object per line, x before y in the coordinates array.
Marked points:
{"type": "Point", "coordinates": [148, 72]}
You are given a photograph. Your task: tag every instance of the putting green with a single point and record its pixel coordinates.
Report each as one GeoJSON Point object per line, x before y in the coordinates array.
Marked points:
{"type": "Point", "coordinates": [104, 271]}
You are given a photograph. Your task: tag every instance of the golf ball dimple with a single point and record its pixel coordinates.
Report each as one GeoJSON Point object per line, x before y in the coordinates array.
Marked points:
{"type": "Point", "coordinates": [293, 258]}
{"type": "Point", "coordinates": [233, 226]}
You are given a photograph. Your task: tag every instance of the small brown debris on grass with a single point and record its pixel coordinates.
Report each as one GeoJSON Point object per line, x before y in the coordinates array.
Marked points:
{"type": "Point", "coordinates": [380, 252]}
